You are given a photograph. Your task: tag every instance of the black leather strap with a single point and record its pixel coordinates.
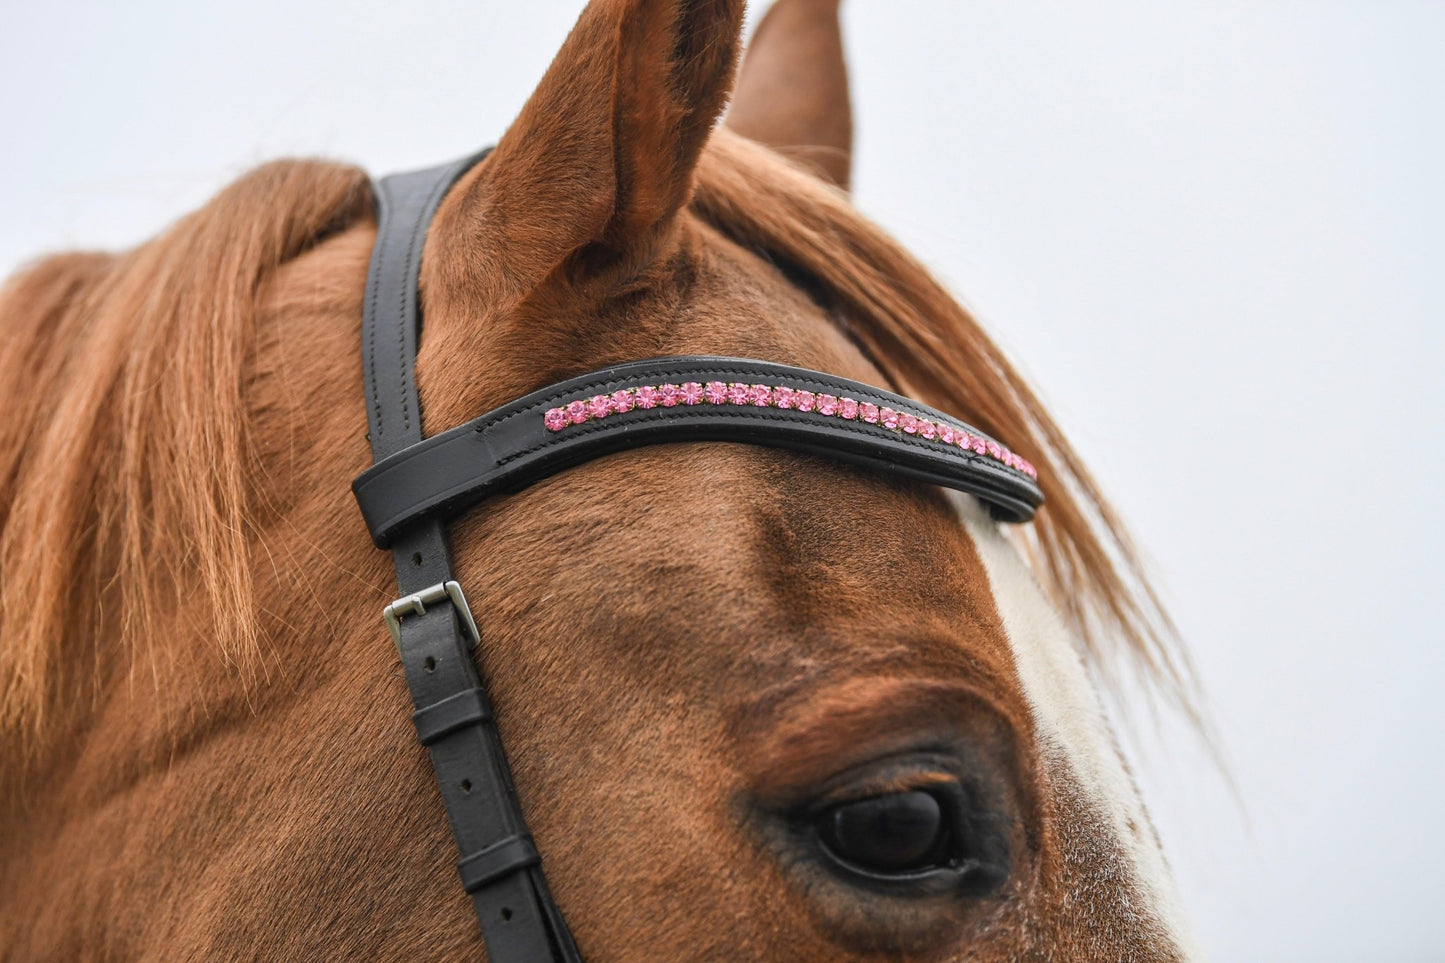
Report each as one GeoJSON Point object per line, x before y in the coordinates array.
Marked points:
{"type": "Point", "coordinates": [391, 322]}
{"type": "Point", "coordinates": [499, 866]}
{"type": "Point", "coordinates": [512, 447]}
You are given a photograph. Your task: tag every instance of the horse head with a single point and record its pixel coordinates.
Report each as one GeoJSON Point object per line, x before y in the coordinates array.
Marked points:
{"type": "Point", "coordinates": [759, 704]}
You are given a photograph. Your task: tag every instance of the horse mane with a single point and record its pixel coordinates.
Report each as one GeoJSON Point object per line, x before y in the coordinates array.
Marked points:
{"type": "Point", "coordinates": [930, 347]}
{"type": "Point", "coordinates": [125, 463]}
{"type": "Point", "coordinates": [124, 457]}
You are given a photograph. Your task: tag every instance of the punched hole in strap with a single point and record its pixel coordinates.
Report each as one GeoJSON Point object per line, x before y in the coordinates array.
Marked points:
{"type": "Point", "coordinates": [496, 861]}
{"type": "Point", "coordinates": [442, 718]}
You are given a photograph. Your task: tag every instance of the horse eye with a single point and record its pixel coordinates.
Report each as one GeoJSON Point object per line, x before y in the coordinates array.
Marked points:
{"type": "Point", "coordinates": [893, 835]}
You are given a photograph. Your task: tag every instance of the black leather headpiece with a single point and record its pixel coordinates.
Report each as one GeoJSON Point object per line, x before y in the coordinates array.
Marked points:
{"type": "Point", "coordinates": [417, 485]}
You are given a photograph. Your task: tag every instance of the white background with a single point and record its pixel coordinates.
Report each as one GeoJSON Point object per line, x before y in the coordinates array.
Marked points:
{"type": "Point", "coordinates": [1210, 232]}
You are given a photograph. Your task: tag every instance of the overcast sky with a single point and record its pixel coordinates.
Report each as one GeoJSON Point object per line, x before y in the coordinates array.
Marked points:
{"type": "Point", "coordinates": [1210, 232]}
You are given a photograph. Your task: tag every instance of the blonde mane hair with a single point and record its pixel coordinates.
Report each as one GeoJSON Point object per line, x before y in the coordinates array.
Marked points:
{"type": "Point", "coordinates": [126, 472]}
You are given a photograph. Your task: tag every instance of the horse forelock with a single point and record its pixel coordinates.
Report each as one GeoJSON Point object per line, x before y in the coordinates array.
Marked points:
{"type": "Point", "coordinates": [926, 343]}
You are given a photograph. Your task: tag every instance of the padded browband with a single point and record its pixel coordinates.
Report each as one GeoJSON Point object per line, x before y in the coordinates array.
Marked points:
{"type": "Point", "coordinates": [678, 400]}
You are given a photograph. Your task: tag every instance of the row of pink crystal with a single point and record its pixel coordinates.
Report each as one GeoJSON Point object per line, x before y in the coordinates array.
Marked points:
{"type": "Point", "coordinates": [765, 396]}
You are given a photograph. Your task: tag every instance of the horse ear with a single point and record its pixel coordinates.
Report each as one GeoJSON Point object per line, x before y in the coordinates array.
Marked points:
{"type": "Point", "coordinates": [602, 156]}
{"type": "Point", "coordinates": [792, 93]}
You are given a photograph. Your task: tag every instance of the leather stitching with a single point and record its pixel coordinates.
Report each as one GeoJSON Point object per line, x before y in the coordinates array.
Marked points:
{"type": "Point", "coordinates": [369, 318]}
{"type": "Point", "coordinates": [407, 306]}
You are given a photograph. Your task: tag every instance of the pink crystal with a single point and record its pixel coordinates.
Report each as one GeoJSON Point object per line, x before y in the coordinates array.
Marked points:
{"type": "Point", "coordinates": [994, 450]}
{"type": "Point", "coordinates": [783, 397]}
{"type": "Point", "coordinates": [927, 429]}
{"type": "Point", "coordinates": [848, 408]}
{"type": "Point", "coordinates": [716, 393]}
{"type": "Point", "coordinates": [555, 419]}
{"type": "Point", "coordinates": [805, 400]}
{"type": "Point", "coordinates": [868, 412]}
{"type": "Point", "coordinates": [827, 405]}
{"type": "Point", "coordinates": [737, 394]}
{"type": "Point", "coordinates": [963, 441]}
{"type": "Point", "coordinates": [691, 393]}
{"type": "Point", "coordinates": [622, 400]}
{"type": "Point", "coordinates": [577, 412]}
{"type": "Point", "coordinates": [671, 395]}
{"type": "Point", "coordinates": [600, 406]}
{"type": "Point", "coordinates": [888, 417]}
{"type": "Point", "coordinates": [648, 397]}
{"type": "Point", "coordinates": [760, 395]}
{"type": "Point", "coordinates": [979, 445]}
{"type": "Point", "coordinates": [909, 423]}
{"type": "Point", "coordinates": [946, 434]}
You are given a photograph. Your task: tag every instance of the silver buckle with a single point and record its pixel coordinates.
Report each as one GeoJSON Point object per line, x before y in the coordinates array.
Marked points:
{"type": "Point", "coordinates": [416, 605]}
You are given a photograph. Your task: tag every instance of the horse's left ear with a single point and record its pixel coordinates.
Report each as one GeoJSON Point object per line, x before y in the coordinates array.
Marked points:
{"type": "Point", "coordinates": [792, 92]}
{"type": "Point", "coordinates": [590, 175]}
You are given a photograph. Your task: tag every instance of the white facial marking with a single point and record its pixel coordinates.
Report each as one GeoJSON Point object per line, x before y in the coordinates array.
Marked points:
{"type": "Point", "coordinates": [1072, 729]}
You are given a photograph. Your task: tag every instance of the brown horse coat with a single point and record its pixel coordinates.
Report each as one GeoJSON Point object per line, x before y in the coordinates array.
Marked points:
{"type": "Point", "coordinates": [204, 746]}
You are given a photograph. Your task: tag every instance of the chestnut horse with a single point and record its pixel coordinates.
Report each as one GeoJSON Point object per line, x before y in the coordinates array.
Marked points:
{"type": "Point", "coordinates": [753, 699]}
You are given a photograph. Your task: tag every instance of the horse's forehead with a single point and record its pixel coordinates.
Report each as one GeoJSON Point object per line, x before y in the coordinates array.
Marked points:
{"type": "Point", "coordinates": [1077, 748]}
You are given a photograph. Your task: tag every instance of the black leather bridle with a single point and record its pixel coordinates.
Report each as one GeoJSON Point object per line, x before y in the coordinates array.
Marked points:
{"type": "Point", "coordinates": [416, 486]}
